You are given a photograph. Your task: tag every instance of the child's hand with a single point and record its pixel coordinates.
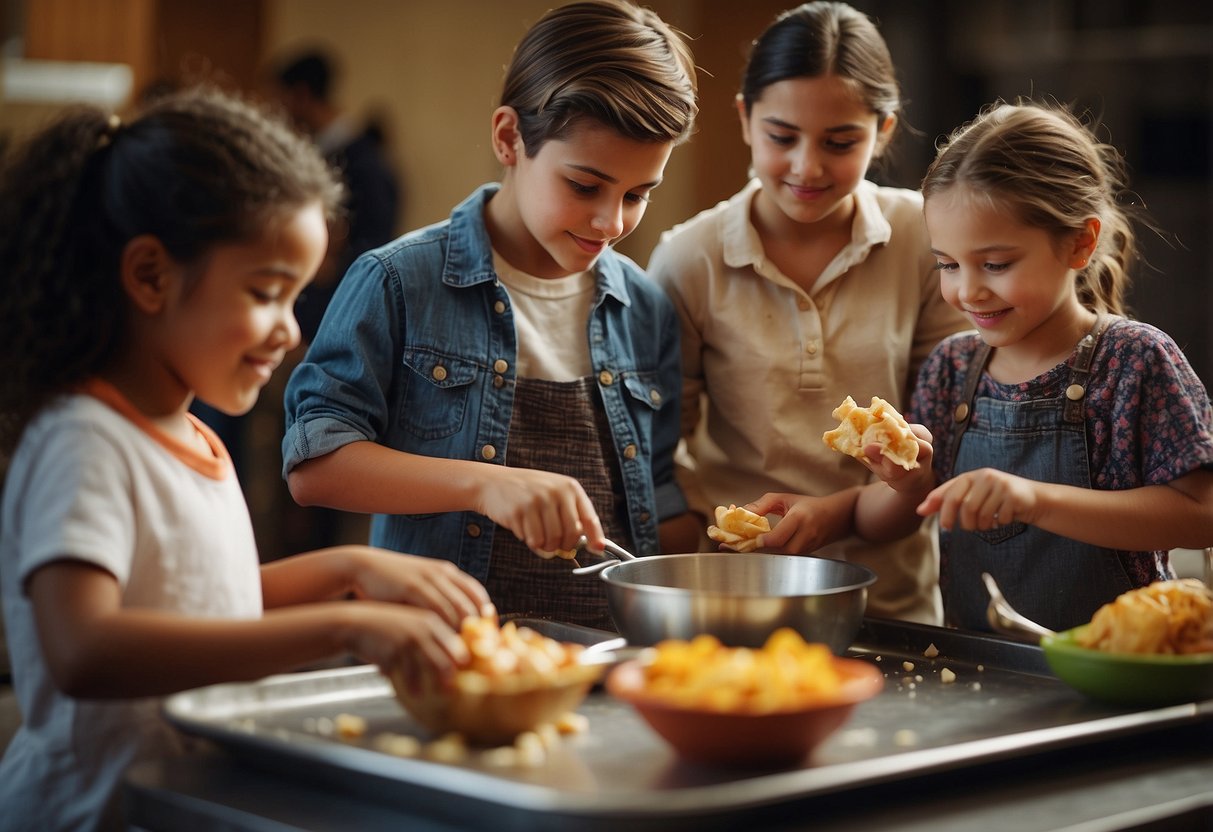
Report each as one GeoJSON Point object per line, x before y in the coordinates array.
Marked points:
{"type": "Point", "coordinates": [396, 637]}
{"type": "Point", "coordinates": [982, 499]}
{"type": "Point", "coordinates": [898, 478]}
{"type": "Point", "coordinates": [802, 528]}
{"type": "Point", "coordinates": [432, 583]}
{"type": "Point", "coordinates": [545, 511]}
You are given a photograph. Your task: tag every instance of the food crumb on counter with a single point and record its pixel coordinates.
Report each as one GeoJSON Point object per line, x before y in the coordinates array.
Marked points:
{"type": "Point", "coordinates": [947, 676]}
{"type": "Point", "coordinates": [530, 748]}
{"type": "Point", "coordinates": [449, 748]}
{"type": "Point", "coordinates": [918, 678]}
{"type": "Point", "coordinates": [879, 658]}
{"type": "Point", "coordinates": [976, 686]}
{"type": "Point", "coordinates": [349, 726]}
{"type": "Point", "coordinates": [398, 745]}
{"type": "Point", "coordinates": [932, 651]}
{"type": "Point", "coordinates": [907, 666]}
{"type": "Point", "coordinates": [505, 756]}
{"type": "Point", "coordinates": [573, 723]}
{"type": "Point", "coordinates": [981, 668]}
{"type": "Point", "coordinates": [905, 738]}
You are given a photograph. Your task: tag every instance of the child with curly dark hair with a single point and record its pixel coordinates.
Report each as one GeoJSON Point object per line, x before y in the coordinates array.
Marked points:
{"type": "Point", "coordinates": [146, 264]}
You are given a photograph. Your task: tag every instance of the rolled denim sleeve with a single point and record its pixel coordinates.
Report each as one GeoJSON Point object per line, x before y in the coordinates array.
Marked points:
{"type": "Point", "coordinates": [340, 393]}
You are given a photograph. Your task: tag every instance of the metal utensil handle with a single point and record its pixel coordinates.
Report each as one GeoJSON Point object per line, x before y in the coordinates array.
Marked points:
{"type": "Point", "coordinates": [613, 548]}
{"type": "Point", "coordinates": [617, 553]}
{"type": "Point", "coordinates": [1004, 618]}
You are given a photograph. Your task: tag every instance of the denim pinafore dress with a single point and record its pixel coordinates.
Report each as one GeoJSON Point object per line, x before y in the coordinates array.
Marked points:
{"type": "Point", "coordinates": [1053, 580]}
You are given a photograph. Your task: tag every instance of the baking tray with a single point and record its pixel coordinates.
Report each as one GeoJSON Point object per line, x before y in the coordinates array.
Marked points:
{"type": "Point", "coordinates": [1003, 703]}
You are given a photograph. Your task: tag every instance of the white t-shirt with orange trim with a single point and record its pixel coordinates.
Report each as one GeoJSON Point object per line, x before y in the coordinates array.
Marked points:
{"type": "Point", "coordinates": [93, 481]}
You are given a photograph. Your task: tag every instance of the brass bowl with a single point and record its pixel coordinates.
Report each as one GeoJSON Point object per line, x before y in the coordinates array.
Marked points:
{"type": "Point", "coordinates": [495, 711]}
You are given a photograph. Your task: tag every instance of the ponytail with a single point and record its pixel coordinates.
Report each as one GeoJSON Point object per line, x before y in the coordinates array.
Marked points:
{"type": "Point", "coordinates": [196, 169]}
{"type": "Point", "coordinates": [59, 304]}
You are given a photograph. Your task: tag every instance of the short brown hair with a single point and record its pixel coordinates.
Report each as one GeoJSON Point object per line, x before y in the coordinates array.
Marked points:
{"type": "Point", "coordinates": [607, 60]}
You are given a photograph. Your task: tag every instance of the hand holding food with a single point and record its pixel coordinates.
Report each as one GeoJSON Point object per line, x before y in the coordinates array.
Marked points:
{"type": "Point", "coordinates": [738, 528]}
{"type": "Point", "coordinates": [879, 424]}
{"type": "Point", "coordinates": [1167, 617]}
{"type": "Point", "coordinates": [516, 680]}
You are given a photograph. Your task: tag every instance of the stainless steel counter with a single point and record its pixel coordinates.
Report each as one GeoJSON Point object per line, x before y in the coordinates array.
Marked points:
{"type": "Point", "coordinates": [1166, 784]}
{"type": "Point", "coordinates": [1008, 746]}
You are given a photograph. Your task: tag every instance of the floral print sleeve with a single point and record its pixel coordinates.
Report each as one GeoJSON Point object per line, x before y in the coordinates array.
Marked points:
{"type": "Point", "coordinates": [1149, 419]}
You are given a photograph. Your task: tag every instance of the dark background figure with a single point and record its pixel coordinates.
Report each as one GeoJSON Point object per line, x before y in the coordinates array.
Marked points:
{"type": "Point", "coordinates": [304, 85]}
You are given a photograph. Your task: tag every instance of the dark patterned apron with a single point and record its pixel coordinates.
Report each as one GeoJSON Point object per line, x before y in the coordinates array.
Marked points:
{"type": "Point", "coordinates": [560, 427]}
{"type": "Point", "coordinates": [1053, 580]}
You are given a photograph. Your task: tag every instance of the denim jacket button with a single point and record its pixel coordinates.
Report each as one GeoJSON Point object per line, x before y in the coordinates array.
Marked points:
{"type": "Point", "coordinates": [655, 396]}
{"type": "Point", "coordinates": [629, 452]}
{"type": "Point", "coordinates": [644, 516]}
{"type": "Point", "coordinates": [605, 378]}
{"type": "Point", "coordinates": [498, 382]}
{"type": "Point", "coordinates": [1075, 392]}
{"type": "Point", "coordinates": [500, 365]}
{"type": "Point", "coordinates": [473, 530]}
{"type": "Point", "coordinates": [499, 307]}
{"type": "Point", "coordinates": [962, 412]}
{"type": "Point", "coordinates": [439, 373]}
{"type": "Point", "coordinates": [488, 452]}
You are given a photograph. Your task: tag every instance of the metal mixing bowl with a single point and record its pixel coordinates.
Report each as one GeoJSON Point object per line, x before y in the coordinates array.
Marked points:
{"type": "Point", "coordinates": [739, 598]}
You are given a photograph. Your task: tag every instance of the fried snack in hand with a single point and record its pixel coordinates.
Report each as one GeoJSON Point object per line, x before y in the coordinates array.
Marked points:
{"type": "Point", "coordinates": [738, 527]}
{"type": "Point", "coordinates": [878, 424]}
{"type": "Point", "coordinates": [1167, 617]}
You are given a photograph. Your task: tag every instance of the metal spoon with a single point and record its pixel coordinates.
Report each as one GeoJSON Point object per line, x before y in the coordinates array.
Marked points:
{"type": "Point", "coordinates": [617, 552]}
{"type": "Point", "coordinates": [1005, 619]}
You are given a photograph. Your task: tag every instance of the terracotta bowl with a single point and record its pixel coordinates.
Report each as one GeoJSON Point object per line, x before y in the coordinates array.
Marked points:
{"type": "Point", "coordinates": [496, 715]}
{"type": "Point", "coordinates": [741, 739]}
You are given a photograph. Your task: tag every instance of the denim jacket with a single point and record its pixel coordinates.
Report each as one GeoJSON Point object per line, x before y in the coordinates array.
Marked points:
{"type": "Point", "coordinates": [416, 352]}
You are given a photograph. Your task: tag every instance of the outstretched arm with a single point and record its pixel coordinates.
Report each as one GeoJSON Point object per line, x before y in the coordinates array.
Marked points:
{"type": "Point", "coordinates": [377, 575]}
{"type": "Point", "coordinates": [97, 648]}
{"type": "Point", "coordinates": [1179, 514]}
{"type": "Point", "coordinates": [546, 511]}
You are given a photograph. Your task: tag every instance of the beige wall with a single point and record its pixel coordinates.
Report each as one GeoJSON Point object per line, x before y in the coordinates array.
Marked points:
{"type": "Point", "coordinates": [435, 68]}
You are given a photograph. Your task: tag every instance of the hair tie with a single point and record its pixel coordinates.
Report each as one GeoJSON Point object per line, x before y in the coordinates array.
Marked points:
{"type": "Point", "coordinates": [112, 125]}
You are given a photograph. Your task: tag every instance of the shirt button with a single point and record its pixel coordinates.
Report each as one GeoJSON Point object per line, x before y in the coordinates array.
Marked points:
{"type": "Point", "coordinates": [655, 396]}
{"type": "Point", "coordinates": [811, 347]}
{"type": "Point", "coordinates": [499, 307]}
{"type": "Point", "coordinates": [804, 304]}
{"type": "Point", "coordinates": [500, 365]}
{"type": "Point", "coordinates": [488, 452]}
{"type": "Point", "coordinates": [605, 378]}
{"type": "Point", "coordinates": [629, 452]}
{"type": "Point", "coordinates": [439, 373]}
{"type": "Point", "coordinates": [498, 382]}
{"type": "Point", "coordinates": [473, 530]}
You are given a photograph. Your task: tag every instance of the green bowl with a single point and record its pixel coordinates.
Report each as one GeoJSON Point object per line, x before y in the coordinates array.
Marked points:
{"type": "Point", "coordinates": [1128, 678]}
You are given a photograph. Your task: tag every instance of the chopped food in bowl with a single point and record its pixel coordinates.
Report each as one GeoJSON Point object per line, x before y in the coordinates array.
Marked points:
{"type": "Point", "coordinates": [1150, 646]}
{"type": "Point", "coordinates": [518, 680]}
{"type": "Point", "coordinates": [745, 706]}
